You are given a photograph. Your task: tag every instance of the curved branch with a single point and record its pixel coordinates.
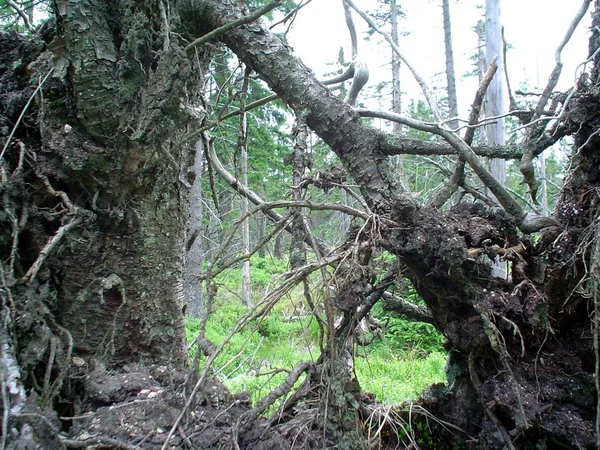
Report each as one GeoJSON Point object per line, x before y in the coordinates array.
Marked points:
{"type": "Point", "coordinates": [253, 196]}
{"type": "Point", "coordinates": [361, 76]}
{"type": "Point", "coordinates": [20, 12]}
{"type": "Point", "coordinates": [526, 167]}
{"type": "Point", "coordinates": [527, 222]}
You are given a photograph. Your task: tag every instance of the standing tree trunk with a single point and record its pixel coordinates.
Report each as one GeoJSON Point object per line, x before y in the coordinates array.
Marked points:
{"type": "Point", "coordinates": [109, 262]}
{"type": "Point", "coordinates": [243, 148]}
{"type": "Point", "coordinates": [396, 87]}
{"type": "Point", "coordinates": [450, 77]}
{"type": "Point", "coordinates": [495, 98]}
{"type": "Point", "coordinates": [495, 94]}
{"type": "Point", "coordinates": [396, 84]}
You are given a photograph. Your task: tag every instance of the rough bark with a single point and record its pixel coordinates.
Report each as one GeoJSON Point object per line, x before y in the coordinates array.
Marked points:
{"type": "Point", "coordinates": [194, 245]}
{"type": "Point", "coordinates": [95, 260]}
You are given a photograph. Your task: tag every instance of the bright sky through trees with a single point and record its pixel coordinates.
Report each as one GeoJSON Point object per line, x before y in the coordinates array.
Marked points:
{"type": "Point", "coordinates": [533, 29]}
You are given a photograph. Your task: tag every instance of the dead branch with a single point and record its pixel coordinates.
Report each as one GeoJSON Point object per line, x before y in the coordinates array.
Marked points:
{"type": "Point", "coordinates": [554, 76]}
{"type": "Point", "coordinates": [458, 176]}
{"type": "Point", "coordinates": [313, 206]}
{"type": "Point", "coordinates": [50, 245]}
{"type": "Point", "coordinates": [348, 74]}
{"type": "Point", "coordinates": [281, 390]}
{"type": "Point", "coordinates": [251, 195]}
{"type": "Point", "coordinates": [361, 76]}
{"type": "Point", "coordinates": [505, 199]}
{"type": "Point", "coordinates": [526, 167]}
{"type": "Point", "coordinates": [416, 313]}
{"type": "Point", "coordinates": [291, 16]}
{"type": "Point", "coordinates": [214, 272]}
{"type": "Point", "coordinates": [527, 222]}
{"type": "Point", "coordinates": [99, 440]}
{"type": "Point", "coordinates": [291, 279]}
{"type": "Point", "coordinates": [25, 108]}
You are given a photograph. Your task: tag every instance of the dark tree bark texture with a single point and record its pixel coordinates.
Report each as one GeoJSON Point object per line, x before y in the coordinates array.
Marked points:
{"type": "Point", "coordinates": [95, 150]}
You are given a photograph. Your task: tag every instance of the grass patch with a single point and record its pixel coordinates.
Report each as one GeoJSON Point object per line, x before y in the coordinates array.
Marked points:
{"type": "Point", "coordinates": [396, 377]}
{"type": "Point", "coordinates": [408, 359]}
{"type": "Point", "coordinates": [256, 358]}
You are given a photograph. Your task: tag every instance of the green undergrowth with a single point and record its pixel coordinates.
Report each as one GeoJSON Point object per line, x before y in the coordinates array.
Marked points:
{"type": "Point", "coordinates": [395, 368]}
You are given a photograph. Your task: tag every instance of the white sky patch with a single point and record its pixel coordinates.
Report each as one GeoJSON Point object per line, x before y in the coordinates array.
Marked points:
{"type": "Point", "coordinates": [533, 29]}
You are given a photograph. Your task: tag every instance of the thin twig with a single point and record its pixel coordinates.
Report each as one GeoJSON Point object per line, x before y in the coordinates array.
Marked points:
{"type": "Point", "coordinates": [50, 245]}
{"type": "Point", "coordinates": [18, 122]}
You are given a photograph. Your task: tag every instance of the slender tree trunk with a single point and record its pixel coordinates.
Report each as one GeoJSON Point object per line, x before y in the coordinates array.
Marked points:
{"type": "Point", "coordinates": [450, 77]}
{"type": "Point", "coordinates": [495, 98]}
{"type": "Point", "coordinates": [260, 227]}
{"type": "Point", "coordinates": [544, 209]}
{"type": "Point", "coordinates": [243, 147]}
{"type": "Point", "coordinates": [396, 88]}
{"type": "Point", "coordinates": [297, 246]}
{"type": "Point", "coordinates": [481, 69]}
{"type": "Point", "coordinates": [496, 91]}
{"type": "Point", "coordinates": [396, 84]}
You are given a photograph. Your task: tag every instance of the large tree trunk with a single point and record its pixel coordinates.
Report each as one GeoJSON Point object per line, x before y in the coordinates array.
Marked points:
{"type": "Point", "coordinates": [121, 296]}
{"type": "Point", "coordinates": [106, 199]}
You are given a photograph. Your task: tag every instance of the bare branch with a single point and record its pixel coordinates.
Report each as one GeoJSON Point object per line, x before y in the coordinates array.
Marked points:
{"type": "Point", "coordinates": [554, 76]}
{"type": "Point", "coordinates": [457, 177]}
{"type": "Point", "coordinates": [361, 76]}
{"type": "Point", "coordinates": [313, 206]}
{"type": "Point", "coordinates": [291, 15]}
{"type": "Point", "coordinates": [281, 390]}
{"type": "Point", "coordinates": [20, 12]}
{"type": "Point", "coordinates": [416, 313]}
{"type": "Point", "coordinates": [348, 73]}
{"type": "Point", "coordinates": [527, 222]}
{"type": "Point", "coordinates": [12, 133]}
{"type": "Point", "coordinates": [351, 29]}
{"type": "Point", "coordinates": [526, 166]}
{"type": "Point", "coordinates": [249, 193]}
